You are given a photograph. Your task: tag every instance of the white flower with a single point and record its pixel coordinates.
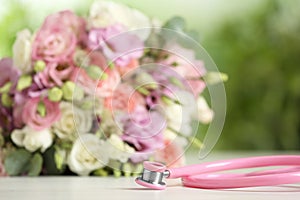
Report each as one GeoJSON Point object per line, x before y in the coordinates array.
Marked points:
{"type": "Point", "coordinates": [117, 149]}
{"type": "Point", "coordinates": [73, 122]}
{"type": "Point", "coordinates": [31, 139]}
{"type": "Point", "coordinates": [87, 154]}
{"type": "Point", "coordinates": [205, 114]}
{"type": "Point", "coordinates": [110, 125]}
{"type": "Point", "coordinates": [22, 51]}
{"type": "Point", "coordinates": [179, 116]}
{"type": "Point", "coordinates": [106, 13]}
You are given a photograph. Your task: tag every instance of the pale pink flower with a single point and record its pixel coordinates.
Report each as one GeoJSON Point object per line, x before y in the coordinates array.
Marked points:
{"type": "Point", "coordinates": [172, 155]}
{"type": "Point", "coordinates": [67, 20]}
{"type": "Point", "coordinates": [98, 87]}
{"type": "Point", "coordinates": [54, 74]}
{"type": "Point", "coordinates": [124, 98]}
{"type": "Point", "coordinates": [33, 119]}
{"type": "Point", "coordinates": [54, 45]}
{"type": "Point", "coordinates": [107, 86]}
{"type": "Point", "coordinates": [97, 58]}
{"type": "Point", "coordinates": [184, 62]}
{"type": "Point", "coordinates": [133, 64]}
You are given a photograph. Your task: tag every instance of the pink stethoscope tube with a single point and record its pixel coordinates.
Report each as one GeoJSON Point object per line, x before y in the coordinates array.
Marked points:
{"type": "Point", "coordinates": [199, 175]}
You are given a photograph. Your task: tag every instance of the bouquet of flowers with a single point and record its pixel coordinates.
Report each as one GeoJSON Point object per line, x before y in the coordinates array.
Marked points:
{"type": "Point", "coordinates": [86, 95]}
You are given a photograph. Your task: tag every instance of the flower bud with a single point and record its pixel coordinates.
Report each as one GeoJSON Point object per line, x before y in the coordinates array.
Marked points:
{"type": "Point", "coordinates": [41, 108]}
{"type": "Point", "coordinates": [71, 91]}
{"type": "Point", "coordinates": [215, 77]}
{"type": "Point", "coordinates": [24, 82]}
{"type": "Point", "coordinates": [6, 87]}
{"type": "Point", "coordinates": [94, 72]}
{"type": "Point", "coordinates": [127, 169]}
{"type": "Point", "coordinates": [6, 100]}
{"type": "Point", "coordinates": [39, 66]}
{"type": "Point", "coordinates": [101, 172]}
{"type": "Point", "coordinates": [55, 94]}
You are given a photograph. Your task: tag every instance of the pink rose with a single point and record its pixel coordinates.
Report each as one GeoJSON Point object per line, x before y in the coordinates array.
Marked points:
{"type": "Point", "coordinates": [67, 20]}
{"type": "Point", "coordinates": [124, 98]}
{"type": "Point", "coordinates": [54, 74]}
{"type": "Point", "coordinates": [32, 118]}
{"type": "Point", "coordinates": [54, 45]}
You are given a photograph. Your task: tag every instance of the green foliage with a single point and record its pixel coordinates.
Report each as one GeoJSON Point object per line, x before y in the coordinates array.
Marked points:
{"type": "Point", "coordinates": [16, 161]}
{"type": "Point", "coordinates": [260, 53]}
{"type": "Point", "coordinates": [50, 159]}
{"type": "Point", "coordinates": [20, 162]}
{"type": "Point", "coordinates": [35, 165]}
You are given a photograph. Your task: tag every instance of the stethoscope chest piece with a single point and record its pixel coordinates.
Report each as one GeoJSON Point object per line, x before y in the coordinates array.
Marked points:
{"type": "Point", "coordinates": [152, 176]}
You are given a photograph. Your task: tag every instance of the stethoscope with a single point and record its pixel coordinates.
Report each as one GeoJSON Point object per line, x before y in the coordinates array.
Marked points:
{"type": "Point", "coordinates": [204, 176]}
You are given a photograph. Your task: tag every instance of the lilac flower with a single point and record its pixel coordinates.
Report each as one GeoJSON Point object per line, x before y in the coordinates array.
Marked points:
{"type": "Point", "coordinates": [153, 98]}
{"type": "Point", "coordinates": [167, 77]}
{"type": "Point", "coordinates": [9, 74]}
{"type": "Point", "coordinates": [143, 130]}
{"type": "Point", "coordinates": [6, 121]}
{"type": "Point", "coordinates": [116, 44]}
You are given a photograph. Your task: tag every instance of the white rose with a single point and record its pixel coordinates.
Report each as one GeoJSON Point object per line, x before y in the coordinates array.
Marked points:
{"type": "Point", "coordinates": [31, 139]}
{"type": "Point", "coordinates": [72, 119]}
{"type": "Point", "coordinates": [87, 154]}
{"type": "Point", "coordinates": [179, 116]}
{"type": "Point", "coordinates": [205, 114]}
{"type": "Point", "coordinates": [106, 13]}
{"type": "Point", "coordinates": [117, 149]}
{"type": "Point", "coordinates": [22, 51]}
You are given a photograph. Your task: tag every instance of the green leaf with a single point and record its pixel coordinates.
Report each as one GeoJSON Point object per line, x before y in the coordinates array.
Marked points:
{"type": "Point", "coordinates": [35, 165]}
{"type": "Point", "coordinates": [49, 162]}
{"type": "Point", "coordinates": [15, 163]}
{"type": "Point", "coordinates": [175, 23]}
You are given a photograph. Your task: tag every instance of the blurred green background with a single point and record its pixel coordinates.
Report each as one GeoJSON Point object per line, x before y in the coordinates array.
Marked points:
{"type": "Point", "coordinates": [257, 42]}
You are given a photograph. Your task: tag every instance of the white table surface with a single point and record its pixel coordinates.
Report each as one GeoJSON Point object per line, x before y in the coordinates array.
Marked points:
{"type": "Point", "coordinates": [102, 188]}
